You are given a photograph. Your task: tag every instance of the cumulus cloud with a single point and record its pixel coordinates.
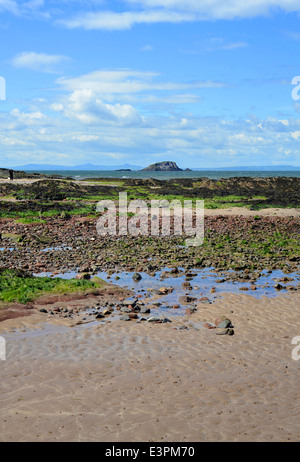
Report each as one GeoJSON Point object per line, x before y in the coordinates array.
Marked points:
{"type": "Point", "coordinates": [84, 105]}
{"type": "Point", "coordinates": [194, 141]}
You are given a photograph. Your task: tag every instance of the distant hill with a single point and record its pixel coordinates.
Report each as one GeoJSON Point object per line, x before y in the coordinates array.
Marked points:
{"type": "Point", "coordinates": [243, 168]}
{"type": "Point", "coordinates": [166, 166]}
{"type": "Point", "coordinates": [84, 167]}
{"type": "Point", "coordinates": [159, 166]}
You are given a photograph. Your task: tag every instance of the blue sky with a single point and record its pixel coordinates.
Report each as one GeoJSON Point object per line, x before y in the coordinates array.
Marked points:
{"type": "Point", "coordinates": [203, 83]}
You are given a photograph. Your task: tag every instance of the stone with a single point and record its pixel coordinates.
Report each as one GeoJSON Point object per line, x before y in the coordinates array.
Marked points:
{"type": "Point", "coordinates": [129, 302]}
{"type": "Point", "coordinates": [185, 299]}
{"type": "Point", "coordinates": [190, 311]}
{"type": "Point", "coordinates": [164, 320]}
{"type": "Point", "coordinates": [107, 312]}
{"type": "Point", "coordinates": [83, 276]}
{"type": "Point", "coordinates": [145, 310]}
{"type": "Point", "coordinates": [125, 309]}
{"type": "Point", "coordinates": [224, 324]}
{"type": "Point", "coordinates": [132, 316]}
{"type": "Point", "coordinates": [99, 316]}
{"type": "Point", "coordinates": [208, 326]}
{"type": "Point", "coordinates": [205, 300]}
{"type": "Point", "coordinates": [225, 332]}
{"type": "Point", "coordinates": [165, 290]}
{"type": "Point", "coordinates": [153, 319]}
{"type": "Point", "coordinates": [136, 277]}
{"type": "Point", "coordinates": [125, 317]}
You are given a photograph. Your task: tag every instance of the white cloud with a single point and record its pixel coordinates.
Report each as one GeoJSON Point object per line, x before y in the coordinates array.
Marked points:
{"type": "Point", "coordinates": [28, 8]}
{"type": "Point", "coordinates": [85, 106]}
{"type": "Point", "coordinates": [91, 15]}
{"type": "Point", "coordinates": [85, 138]}
{"type": "Point", "coordinates": [118, 130]}
{"type": "Point", "coordinates": [41, 62]}
{"type": "Point", "coordinates": [9, 5]}
{"type": "Point", "coordinates": [220, 9]}
{"type": "Point", "coordinates": [110, 20]}
{"type": "Point", "coordinates": [175, 11]}
{"type": "Point", "coordinates": [121, 83]}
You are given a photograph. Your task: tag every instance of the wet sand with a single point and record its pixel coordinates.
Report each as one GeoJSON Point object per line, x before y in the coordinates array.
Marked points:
{"type": "Point", "coordinates": [174, 382]}
{"type": "Point", "coordinates": [128, 381]}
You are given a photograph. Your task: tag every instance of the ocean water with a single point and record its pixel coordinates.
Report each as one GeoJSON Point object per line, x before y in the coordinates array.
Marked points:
{"type": "Point", "coordinates": [212, 174]}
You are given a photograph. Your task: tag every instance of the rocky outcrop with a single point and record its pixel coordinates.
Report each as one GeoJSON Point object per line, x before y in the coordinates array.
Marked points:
{"type": "Point", "coordinates": [4, 174]}
{"type": "Point", "coordinates": [166, 166]}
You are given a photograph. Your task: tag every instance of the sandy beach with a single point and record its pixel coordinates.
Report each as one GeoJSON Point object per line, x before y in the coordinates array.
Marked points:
{"type": "Point", "coordinates": [82, 379]}
{"type": "Point", "coordinates": [117, 381]}
{"type": "Point", "coordinates": [150, 224]}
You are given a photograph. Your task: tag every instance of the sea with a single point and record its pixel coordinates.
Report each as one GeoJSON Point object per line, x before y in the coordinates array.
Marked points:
{"type": "Point", "coordinates": [211, 174]}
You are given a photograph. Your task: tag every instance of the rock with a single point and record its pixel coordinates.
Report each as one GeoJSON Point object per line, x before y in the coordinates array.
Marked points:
{"type": "Point", "coordinates": [100, 316]}
{"type": "Point", "coordinates": [163, 166]}
{"type": "Point", "coordinates": [224, 324]}
{"type": "Point", "coordinates": [136, 277]}
{"type": "Point", "coordinates": [204, 300]}
{"type": "Point", "coordinates": [153, 319]}
{"type": "Point", "coordinates": [145, 310]}
{"type": "Point", "coordinates": [129, 302]}
{"type": "Point", "coordinates": [125, 317]}
{"type": "Point", "coordinates": [185, 299]}
{"type": "Point", "coordinates": [125, 309]}
{"type": "Point", "coordinates": [165, 290]}
{"type": "Point", "coordinates": [132, 316]}
{"type": "Point", "coordinates": [225, 332]}
{"type": "Point", "coordinates": [190, 311]}
{"type": "Point", "coordinates": [164, 320]}
{"type": "Point", "coordinates": [107, 312]}
{"type": "Point", "coordinates": [208, 326]}
{"type": "Point", "coordinates": [42, 310]}
{"type": "Point", "coordinates": [83, 276]}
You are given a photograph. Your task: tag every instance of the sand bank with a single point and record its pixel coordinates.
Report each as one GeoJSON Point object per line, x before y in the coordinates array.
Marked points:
{"type": "Point", "coordinates": [123, 381]}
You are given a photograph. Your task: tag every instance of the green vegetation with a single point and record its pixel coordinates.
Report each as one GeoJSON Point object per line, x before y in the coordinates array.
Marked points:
{"type": "Point", "coordinates": [48, 198]}
{"type": "Point", "coordinates": [16, 286]}
{"type": "Point", "coordinates": [29, 220]}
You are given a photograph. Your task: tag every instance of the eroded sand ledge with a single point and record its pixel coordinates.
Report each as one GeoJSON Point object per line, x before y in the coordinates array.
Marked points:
{"type": "Point", "coordinates": [140, 382]}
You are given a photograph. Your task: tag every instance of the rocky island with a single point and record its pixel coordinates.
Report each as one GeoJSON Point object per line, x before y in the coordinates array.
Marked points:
{"type": "Point", "coordinates": [166, 166]}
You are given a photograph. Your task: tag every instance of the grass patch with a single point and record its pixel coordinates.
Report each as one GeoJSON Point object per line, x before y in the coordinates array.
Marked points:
{"type": "Point", "coordinates": [16, 286]}
{"type": "Point", "coordinates": [29, 220]}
